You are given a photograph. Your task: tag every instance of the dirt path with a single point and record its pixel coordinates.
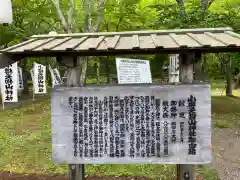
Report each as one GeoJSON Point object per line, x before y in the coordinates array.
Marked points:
{"type": "Point", "coordinates": [15, 176]}
{"type": "Point", "coordinates": [226, 153]}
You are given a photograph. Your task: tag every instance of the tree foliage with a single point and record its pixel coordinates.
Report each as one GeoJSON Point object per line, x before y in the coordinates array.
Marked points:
{"type": "Point", "coordinates": [42, 16]}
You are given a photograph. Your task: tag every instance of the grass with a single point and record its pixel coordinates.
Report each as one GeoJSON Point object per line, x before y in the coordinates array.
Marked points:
{"type": "Point", "coordinates": [225, 110]}
{"type": "Point", "coordinates": [25, 141]}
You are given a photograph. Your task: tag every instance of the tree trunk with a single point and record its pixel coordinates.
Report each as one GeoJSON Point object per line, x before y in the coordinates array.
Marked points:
{"type": "Point", "coordinates": [181, 7]}
{"type": "Point", "coordinates": [204, 5]}
{"type": "Point", "coordinates": [229, 77]}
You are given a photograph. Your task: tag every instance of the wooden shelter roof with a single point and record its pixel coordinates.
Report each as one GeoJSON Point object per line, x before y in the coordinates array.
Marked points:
{"type": "Point", "coordinates": [109, 43]}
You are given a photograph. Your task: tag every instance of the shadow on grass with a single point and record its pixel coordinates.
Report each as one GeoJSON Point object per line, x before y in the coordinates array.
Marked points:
{"type": "Point", "coordinates": [225, 104]}
{"type": "Point", "coordinates": [226, 111]}
{"type": "Point", "coordinates": [18, 176]}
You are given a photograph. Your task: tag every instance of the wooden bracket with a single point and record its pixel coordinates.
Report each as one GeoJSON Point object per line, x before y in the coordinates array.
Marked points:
{"type": "Point", "coordinates": [198, 56]}
{"type": "Point", "coordinates": [187, 58]}
{"type": "Point", "coordinates": [5, 60]}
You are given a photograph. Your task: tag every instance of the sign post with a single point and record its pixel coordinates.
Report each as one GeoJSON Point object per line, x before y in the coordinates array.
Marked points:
{"type": "Point", "coordinates": [186, 171]}
{"type": "Point", "coordinates": [76, 171]}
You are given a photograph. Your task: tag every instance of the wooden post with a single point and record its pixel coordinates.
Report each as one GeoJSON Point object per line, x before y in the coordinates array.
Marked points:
{"type": "Point", "coordinates": [229, 77]}
{"type": "Point", "coordinates": [204, 68]}
{"type": "Point", "coordinates": [74, 77]}
{"type": "Point", "coordinates": [197, 68]}
{"type": "Point", "coordinates": [107, 70]}
{"type": "Point", "coordinates": [98, 70]}
{"type": "Point", "coordinates": [186, 171]}
{"type": "Point", "coordinates": [5, 60]}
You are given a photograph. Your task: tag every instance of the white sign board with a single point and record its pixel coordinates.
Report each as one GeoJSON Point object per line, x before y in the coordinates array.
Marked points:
{"type": "Point", "coordinates": [147, 124]}
{"type": "Point", "coordinates": [9, 83]}
{"type": "Point", "coordinates": [55, 75]}
{"type": "Point", "coordinates": [173, 70]}
{"type": "Point", "coordinates": [131, 71]}
{"type": "Point", "coordinates": [20, 79]}
{"type": "Point", "coordinates": [39, 78]}
{"type": "Point", "coordinates": [6, 11]}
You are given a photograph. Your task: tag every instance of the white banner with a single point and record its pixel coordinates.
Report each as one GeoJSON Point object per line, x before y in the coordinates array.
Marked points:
{"type": "Point", "coordinates": [1, 74]}
{"type": "Point", "coordinates": [20, 79]}
{"type": "Point", "coordinates": [39, 78]}
{"type": "Point", "coordinates": [133, 71]}
{"type": "Point", "coordinates": [6, 11]}
{"type": "Point", "coordinates": [9, 83]}
{"type": "Point", "coordinates": [173, 70]}
{"type": "Point", "coordinates": [55, 75]}
{"type": "Point", "coordinates": [31, 72]}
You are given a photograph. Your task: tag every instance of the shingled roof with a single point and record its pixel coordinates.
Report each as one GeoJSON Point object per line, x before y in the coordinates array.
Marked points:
{"type": "Point", "coordinates": [108, 43]}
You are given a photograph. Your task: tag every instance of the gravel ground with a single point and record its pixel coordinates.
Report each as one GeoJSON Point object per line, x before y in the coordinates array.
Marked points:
{"type": "Point", "coordinates": [226, 153]}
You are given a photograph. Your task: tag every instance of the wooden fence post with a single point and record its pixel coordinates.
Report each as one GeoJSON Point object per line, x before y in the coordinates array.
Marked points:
{"type": "Point", "coordinates": [186, 171]}
{"type": "Point", "coordinates": [74, 77]}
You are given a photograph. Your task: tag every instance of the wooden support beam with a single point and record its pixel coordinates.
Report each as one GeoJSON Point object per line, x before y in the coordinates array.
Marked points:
{"type": "Point", "coordinates": [71, 44]}
{"type": "Point", "coordinates": [112, 44]}
{"type": "Point", "coordinates": [173, 36]}
{"type": "Point", "coordinates": [197, 67]}
{"type": "Point", "coordinates": [21, 44]}
{"type": "Point", "coordinates": [233, 34]}
{"type": "Point", "coordinates": [194, 37]}
{"type": "Point", "coordinates": [5, 60]}
{"type": "Point", "coordinates": [157, 43]}
{"type": "Point", "coordinates": [55, 43]}
{"type": "Point", "coordinates": [96, 43]}
{"type": "Point", "coordinates": [225, 42]}
{"type": "Point", "coordinates": [186, 171]}
{"type": "Point", "coordinates": [41, 43]}
{"type": "Point", "coordinates": [161, 32]}
{"type": "Point", "coordinates": [76, 171]}
{"type": "Point", "coordinates": [186, 67]}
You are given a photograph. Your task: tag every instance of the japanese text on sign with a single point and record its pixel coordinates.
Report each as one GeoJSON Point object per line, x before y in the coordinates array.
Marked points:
{"type": "Point", "coordinates": [9, 83]}
{"type": "Point", "coordinates": [142, 127]}
{"type": "Point", "coordinates": [39, 76]}
{"type": "Point", "coordinates": [20, 79]}
{"type": "Point", "coordinates": [133, 71]}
